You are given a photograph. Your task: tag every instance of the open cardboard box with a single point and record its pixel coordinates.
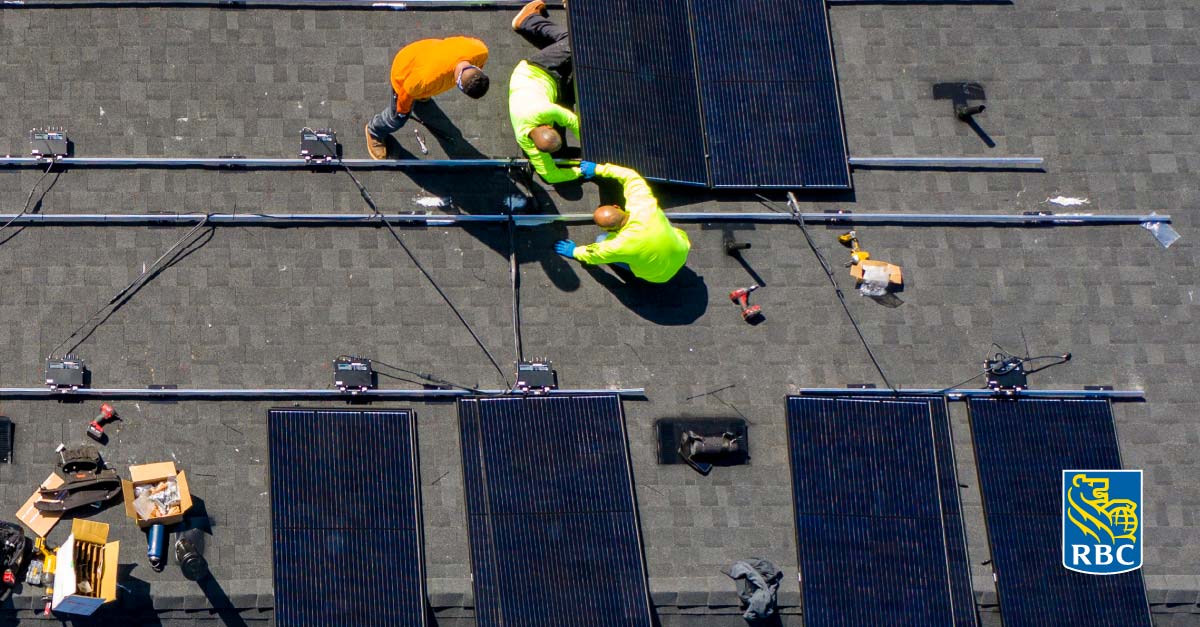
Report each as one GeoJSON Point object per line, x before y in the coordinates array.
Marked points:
{"type": "Point", "coordinates": [895, 274]}
{"type": "Point", "coordinates": [86, 555]}
{"type": "Point", "coordinates": [153, 473]}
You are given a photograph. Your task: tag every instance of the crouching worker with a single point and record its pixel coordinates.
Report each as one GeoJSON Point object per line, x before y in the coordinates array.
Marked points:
{"type": "Point", "coordinates": [533, 93]}
{"type": "Point", "coordinates": [422, 70]}
{"type": "Point", "coordinates": [639, 236]}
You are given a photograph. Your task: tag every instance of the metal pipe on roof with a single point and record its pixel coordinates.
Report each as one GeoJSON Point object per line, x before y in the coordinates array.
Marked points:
{"type": "Point", "coordinates": [153, 394]}
{"type": "Point", "coordinates": [958, 394]}
{"type": "Point", "coordinates": [248, 162]}
{"type": "Point", "coordinates": [394, 5]}
{"type": "Point", "coordinates": [533, 220]}
{"type": "Point", "coordinates": [947, 162]}
{"type": "Point", "coordinates": [387, 164]}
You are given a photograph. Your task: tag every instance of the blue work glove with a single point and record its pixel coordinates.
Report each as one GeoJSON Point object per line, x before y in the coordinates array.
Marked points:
{"type": "Point", "coordinates": [588, 168]}
{"type": "Point", "coordinates": [565, 247]}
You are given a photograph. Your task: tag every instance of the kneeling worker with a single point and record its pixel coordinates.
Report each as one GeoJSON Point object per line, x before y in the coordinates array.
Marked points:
{"type": "Point", "coordinates": [639, 236]}
{"type": "Point", "coordinates": [533, 92]}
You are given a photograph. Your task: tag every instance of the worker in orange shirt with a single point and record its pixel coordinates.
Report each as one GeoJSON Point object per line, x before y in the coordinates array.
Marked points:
{"type": "Point", "coordinates": [422, 70]}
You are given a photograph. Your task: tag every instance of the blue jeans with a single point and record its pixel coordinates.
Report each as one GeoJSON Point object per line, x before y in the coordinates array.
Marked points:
{"type": "Point", "coordinates": [387, 121]}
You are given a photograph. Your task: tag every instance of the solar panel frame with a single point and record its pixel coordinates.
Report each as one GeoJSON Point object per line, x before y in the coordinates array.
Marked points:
{"type": "Point", "coordinates": [329, 525]}
{"type": "Point", "coordinates": [496, 513]}
{"type": "Point", "coordinates": [1020, 503]}
{"type": "Point", "coordinates": [846, 603]}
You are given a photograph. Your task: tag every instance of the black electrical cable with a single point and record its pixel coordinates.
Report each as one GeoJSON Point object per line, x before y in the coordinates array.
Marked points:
{"type": "Point", "coordinates": [362, 190]}
{"type": "Point", "coordinates": [116, 297]}
{"type": "Point", "coordinates": [428, 377]}
{"type": "Point", "coordinates": [29, 199]}
{"type": "Point", "coordinates": [799, 217]}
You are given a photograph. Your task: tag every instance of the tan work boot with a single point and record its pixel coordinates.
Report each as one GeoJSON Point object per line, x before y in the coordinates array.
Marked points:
{"type": "Point", "coordinates": [375, 147]}
{"type": "Point", "coordinates": [536, 7]}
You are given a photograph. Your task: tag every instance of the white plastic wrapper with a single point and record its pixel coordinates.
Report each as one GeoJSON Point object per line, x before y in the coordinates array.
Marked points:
{"type": "Point", "coordinates": [1163, 232]}
{"type": "Point", "coordinates": [874, 281]}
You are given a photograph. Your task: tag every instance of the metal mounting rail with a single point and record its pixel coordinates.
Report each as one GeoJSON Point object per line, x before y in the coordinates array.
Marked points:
{"type": "Point", "coordinates": [958, 394]}
{"type": "Point", "coordinates": [394, 5]}
{"type": "Point", "coordinates": [401, 164]}
{"type": "Point", "coordinates": [152, 394]}
{"type": "Point", "coordinates": [247, 162]}
{"type": "Point", "coordinates": [948, 162]}
{"type": "Point", "coordinates": [527, 220]}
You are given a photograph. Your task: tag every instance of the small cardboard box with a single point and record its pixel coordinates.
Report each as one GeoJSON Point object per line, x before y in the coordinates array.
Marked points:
{"type": "Point", "coordinates": [153, 473]}
{"type": "Point", "coordinates": [38, 521]}
{"type": "Point", "coordinates": [86, 555]}
{"type": "Point", "coordinates": [895, 274]}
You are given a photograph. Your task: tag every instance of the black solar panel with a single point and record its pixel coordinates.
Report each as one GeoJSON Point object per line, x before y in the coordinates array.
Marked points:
{"type": "Point", "coordinates": [345, 515]}
{"type": "Point", "coordinates": [551, 512]}
{"type": "Point", "coordinates": [1022, 446]}
{"type": "Point", "coordinates": [751, 87]}
{"type": "Point", "coordinates": [637, 91]}
{"type": "Point", "coordinates": [878, 524]}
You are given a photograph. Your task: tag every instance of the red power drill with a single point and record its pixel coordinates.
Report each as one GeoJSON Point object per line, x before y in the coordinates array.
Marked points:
{"type": "Point", "coordinates": [95, 429]}
{"type": "Point", "coordinates": [750, 313]}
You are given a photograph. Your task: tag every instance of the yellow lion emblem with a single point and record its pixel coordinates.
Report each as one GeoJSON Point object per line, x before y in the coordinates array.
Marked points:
{"type": "Point", "coordinates": [1095, 514]}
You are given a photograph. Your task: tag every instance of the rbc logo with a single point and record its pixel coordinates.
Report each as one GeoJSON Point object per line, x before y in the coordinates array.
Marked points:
{"type": "Point", "coordinates": [1102, 511]}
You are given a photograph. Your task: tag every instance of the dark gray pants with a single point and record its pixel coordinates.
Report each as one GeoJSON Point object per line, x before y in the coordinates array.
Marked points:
{"type": "Point", "coordinates": [387, 121]}
{"type": "Point", "coordinates": [554, 46]}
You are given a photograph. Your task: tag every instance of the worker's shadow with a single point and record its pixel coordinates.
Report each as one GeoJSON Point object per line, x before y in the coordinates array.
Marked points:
{"type": "Point", "coordinates": [481, 191]}
{"type": "Point", "coordinates": [682, 300]}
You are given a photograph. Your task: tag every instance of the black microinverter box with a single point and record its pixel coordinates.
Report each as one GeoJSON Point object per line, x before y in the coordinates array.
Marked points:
{"type": "Point", "coordinates": [318, 145]}
{"type": "Point", "coordinates": [68, 373]}
{"type": "Point", "coordinates": [49, 143]}
{"type": "Point", "coordinates": [353, 374]}
{"type": "Point", "coordinates": [536, 376]}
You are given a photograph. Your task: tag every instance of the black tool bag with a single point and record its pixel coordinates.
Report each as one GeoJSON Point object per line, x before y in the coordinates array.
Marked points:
{"type": "Point", "coordinates": [13, 550]}
{"type": "Point", "coordinates": [87, 481]}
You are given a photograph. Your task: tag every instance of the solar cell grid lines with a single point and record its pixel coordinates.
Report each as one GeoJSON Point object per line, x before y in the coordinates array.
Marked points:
{"type": "Point", "coordinates": [878, 523]}
{"type": "Point", "coordinates": [551, 513]}
{"type": "Point", "coordinates": [1022, 447]}
{"type": "Point", "coordinates": [345, 515]}
{"type": "Point", "coordinates": [709, 96]}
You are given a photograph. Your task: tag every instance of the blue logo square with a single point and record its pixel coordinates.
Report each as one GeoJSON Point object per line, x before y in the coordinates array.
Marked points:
{"type": "Point", "coordinates": [1102, 521]}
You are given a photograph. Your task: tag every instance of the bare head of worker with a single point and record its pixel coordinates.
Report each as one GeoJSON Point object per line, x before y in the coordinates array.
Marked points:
{"type": "Point", "coordinates": [472, 81]}
{"type": "Point", "coordinates": [546, 138]}
{"type": "Point", "coordinates": [610, 217]}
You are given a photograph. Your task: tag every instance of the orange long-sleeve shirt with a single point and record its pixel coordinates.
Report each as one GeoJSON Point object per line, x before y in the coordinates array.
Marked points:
{"type": "Point", "coordinates": [424, 69]}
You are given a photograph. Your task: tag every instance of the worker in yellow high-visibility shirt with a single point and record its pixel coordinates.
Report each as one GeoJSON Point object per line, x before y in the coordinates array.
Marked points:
{"type": "Point", "coordinates": [639, 236]}
{"type": "Point", "coordinates": [533, 93]}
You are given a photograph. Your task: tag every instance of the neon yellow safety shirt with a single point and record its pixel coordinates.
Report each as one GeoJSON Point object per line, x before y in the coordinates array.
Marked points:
{"type": "Point", "coordinates": [532, 94]}
{"type": "Point", "coordinates": [653, 249]}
